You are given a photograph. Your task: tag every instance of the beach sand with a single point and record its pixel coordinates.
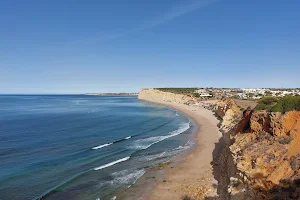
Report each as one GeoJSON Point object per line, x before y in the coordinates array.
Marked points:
{"type": "Point", "coordinates": [193, 176]}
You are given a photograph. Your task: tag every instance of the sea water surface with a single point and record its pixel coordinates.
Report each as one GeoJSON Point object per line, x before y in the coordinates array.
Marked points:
{"type": "Point", "coordinates": [82, 147]}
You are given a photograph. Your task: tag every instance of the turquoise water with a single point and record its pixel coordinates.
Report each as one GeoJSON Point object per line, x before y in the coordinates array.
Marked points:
{"type": "Point", "coordinates": [82, 147]}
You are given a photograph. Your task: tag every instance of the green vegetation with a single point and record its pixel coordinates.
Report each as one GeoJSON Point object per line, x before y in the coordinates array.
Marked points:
{"type": "Point", "coordinates": [178, 90]}
{"type": "Point", "coordinates": [267, 100]}
{"type": "Point", "coordinates": [282, 105]}
{"type": "Point", "coordinates": [266, 103]}
{"type": "Point", "coordinates": [197, 95]}
{"type": "Point", "coordinates": [250, 95]}
{"type": "Point", "coordinates": [241, 109]}
{"type": "Point", "coordinates": [268, 93]}
{"type": "Point", "coordinates": [286, 104]}
{"type": "Point", "coordinates": [261, 107]}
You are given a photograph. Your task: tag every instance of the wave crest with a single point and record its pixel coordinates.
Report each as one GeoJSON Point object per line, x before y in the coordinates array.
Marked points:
{"type": "Point", "coordinates": [108, 144]}
{"type": "Point", "coordinates": [112, 163]}
{"type": "Point", "coordinates": [101, 146]}
{"type": "Point", "coordinates": [148, 142]}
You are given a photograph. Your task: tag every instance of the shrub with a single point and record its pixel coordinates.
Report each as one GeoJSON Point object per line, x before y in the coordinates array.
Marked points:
{"type": "Point", "coordinates": [197, 95]}
{"type": "Point", "coordinates": [178, 90]}
{"type": "Point", "coordinates": [268, 100]}
{"type": "Point", "coordinates": [261, 106]}
{"type": "Point", "coordinates": [276, 108]}
{"type": "Point", "coordinates": [250, 95]}
{"type": "Point", "coordinates": [286, 104]}
{"type": "Point", "coordinates": [241, 109]}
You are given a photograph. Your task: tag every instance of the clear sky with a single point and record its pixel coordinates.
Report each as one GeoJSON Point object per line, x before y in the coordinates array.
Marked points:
{"type": "Point", "coordinates": [67, 46]}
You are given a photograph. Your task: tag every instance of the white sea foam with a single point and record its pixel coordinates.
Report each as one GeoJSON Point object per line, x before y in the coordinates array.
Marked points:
{"type": "Point", "coordinates": [152, 157]}
{"type": "Point", "coordinates": [190, 143]}
{"type": "Point", "coordinates": [148, 142]}
{"type": "Point", "coordinates": [126, 176]}
{"type": "Point", "coordinates": [178, 148]}
{"type": "Point", "coordinates": [112, 163]}
{"type": "Point", "coordinates": [114, 198]}
{"type": "Point", "coordinates": [127, 137]}
{"type": "Point", "coordinates": [101, 146]}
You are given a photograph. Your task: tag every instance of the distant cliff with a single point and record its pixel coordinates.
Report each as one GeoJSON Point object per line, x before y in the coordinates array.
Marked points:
{"type": "Point", "coordinates": [158, 96]}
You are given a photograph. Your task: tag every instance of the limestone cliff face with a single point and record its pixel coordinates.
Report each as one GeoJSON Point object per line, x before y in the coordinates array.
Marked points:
{"type": "Point", "coordinates": [229, 112]}
{"type": "Point", "coordinates": [266, 151]}
{"type": "Point", "coordinates": [160, 96]}
{"type": "Point", "coordinates": [260, 158]}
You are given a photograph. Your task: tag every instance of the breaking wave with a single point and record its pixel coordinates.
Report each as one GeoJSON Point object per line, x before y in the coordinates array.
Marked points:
{"type": "Point", "coordinates": [108, 144]}
{"type": "Point", "coordinates": [126, 176]}
{"type": "Point", "coordinates": [129, 137]}
{"type": "Point", "coordinates": [112, 163]}
{"type": "Point", "coordinates": [142, 144]}
{"type": "Point", "coordinates": [101, 146]}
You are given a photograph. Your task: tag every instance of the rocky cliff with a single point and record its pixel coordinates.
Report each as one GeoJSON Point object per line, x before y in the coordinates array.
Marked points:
{"type": "Point", "coordinates": [266, 150]}
{"type": "Point", "coordinates": [158, 96]}
{"type": "Point", "coordinates": [229, 112]}
{"type": "Point", "coordinates": [260, 158]}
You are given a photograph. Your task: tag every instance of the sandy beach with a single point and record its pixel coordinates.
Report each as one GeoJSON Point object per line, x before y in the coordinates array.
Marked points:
{"type": "Point", "coordinates": [194, 175]}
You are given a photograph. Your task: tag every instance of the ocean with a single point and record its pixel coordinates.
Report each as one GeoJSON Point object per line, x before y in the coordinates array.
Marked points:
{"type": "Point", "coordinates": [83, 147]}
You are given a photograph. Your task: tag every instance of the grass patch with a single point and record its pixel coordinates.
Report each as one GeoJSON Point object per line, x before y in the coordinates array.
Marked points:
{"type": "Point", "coordinates": [178, 90]}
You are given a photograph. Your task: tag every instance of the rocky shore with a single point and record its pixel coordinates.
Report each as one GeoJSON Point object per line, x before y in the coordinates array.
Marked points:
{"type": "Point", "coordinates": [258, 155]}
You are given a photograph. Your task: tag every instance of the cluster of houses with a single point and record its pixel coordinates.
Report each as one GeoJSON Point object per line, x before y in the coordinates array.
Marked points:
{"type": "Point", "coordinates": [203, 93]}
{"type": "Point", "coordinates": [217, 92]}
{"type": "Point", "coordinates": [257, 93]}
{"type": "Point", "coordinates": [245, 93]}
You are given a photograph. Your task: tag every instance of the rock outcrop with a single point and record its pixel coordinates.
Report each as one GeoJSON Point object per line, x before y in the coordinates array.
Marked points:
{"type": "Point", "coordinates": [158, 96]}
{"type": "Point", "coordinates": [260, 158]}
{"type": "Point", "coordinates": [228, 111]}
{"type": "Point", "coordinates": [266, 150]}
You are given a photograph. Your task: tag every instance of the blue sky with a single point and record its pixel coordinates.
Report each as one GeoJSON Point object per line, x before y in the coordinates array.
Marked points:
{"type": "Point", "coordinates": [115, 45]}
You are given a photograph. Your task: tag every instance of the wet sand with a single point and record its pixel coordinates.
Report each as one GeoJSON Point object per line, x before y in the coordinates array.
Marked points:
{"type": "Point", "coordinates": [193, 176]}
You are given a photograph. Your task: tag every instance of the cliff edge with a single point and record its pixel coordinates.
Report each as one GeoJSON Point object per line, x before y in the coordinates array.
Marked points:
{"type": "Point", "coordinates": [260, 157]}
{"type": "Point", "coordinates": [158, 96]}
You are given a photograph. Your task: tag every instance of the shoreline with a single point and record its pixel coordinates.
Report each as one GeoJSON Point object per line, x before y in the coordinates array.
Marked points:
{"type": "Point", "coordinates": [193, 174]}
